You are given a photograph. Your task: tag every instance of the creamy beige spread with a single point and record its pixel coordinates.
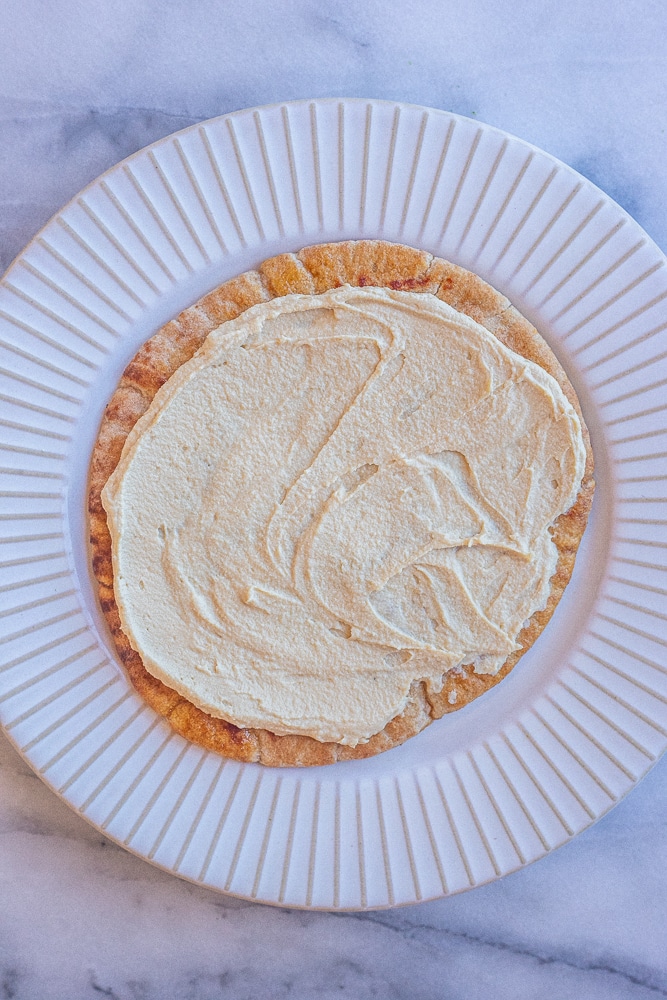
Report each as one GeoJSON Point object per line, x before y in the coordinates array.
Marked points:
{"type": "Point", "coordinates": [338, 495]}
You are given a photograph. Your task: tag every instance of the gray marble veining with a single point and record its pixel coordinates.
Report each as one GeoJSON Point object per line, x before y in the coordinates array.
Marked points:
{"type": "Point", "coordinates": [82, 86]}
{"type": "Point", "coordinates": [83, 918]}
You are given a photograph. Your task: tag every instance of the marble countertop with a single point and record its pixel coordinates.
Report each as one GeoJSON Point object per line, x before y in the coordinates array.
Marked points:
{"type": "Point", "coordinates": [82, 86]}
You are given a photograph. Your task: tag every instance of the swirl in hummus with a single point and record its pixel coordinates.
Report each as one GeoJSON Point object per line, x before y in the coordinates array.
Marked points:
{"type": "Point", "coordinates": [338, 495]}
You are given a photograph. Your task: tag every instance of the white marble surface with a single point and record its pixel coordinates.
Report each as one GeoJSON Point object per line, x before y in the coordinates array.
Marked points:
{"type": "Point", "coordinates": [83, 85]}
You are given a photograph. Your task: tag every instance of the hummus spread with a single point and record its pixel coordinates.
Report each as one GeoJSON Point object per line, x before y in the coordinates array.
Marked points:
{"type": "Point", "coordinates": [338, 495]}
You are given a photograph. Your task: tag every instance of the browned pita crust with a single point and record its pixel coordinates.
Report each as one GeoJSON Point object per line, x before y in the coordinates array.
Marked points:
{"type": "Point", "coordinates": [317, 269]}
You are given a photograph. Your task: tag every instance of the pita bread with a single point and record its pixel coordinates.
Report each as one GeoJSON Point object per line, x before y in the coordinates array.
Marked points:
{"type": "Point", "coordinates": [316, 269]}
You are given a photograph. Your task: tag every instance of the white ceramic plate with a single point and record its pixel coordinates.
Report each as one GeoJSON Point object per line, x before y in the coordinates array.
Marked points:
{"type": "Point", "coordinates": [482, 792]}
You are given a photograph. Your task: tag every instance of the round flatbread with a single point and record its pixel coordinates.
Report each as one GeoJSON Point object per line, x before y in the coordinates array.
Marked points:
{"type": "Point", "coordinates": [314, 270]}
